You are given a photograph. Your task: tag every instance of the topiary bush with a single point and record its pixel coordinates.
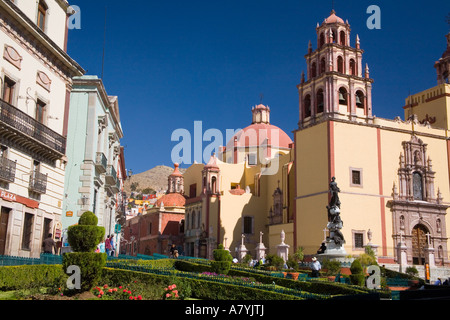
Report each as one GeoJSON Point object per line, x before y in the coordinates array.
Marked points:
{"type": "Point", "coordinates": [84, 238]}
{"type": "Point", "coordinates": [357, 277]}
{"type": "Point", "coordinates": [222, 260]}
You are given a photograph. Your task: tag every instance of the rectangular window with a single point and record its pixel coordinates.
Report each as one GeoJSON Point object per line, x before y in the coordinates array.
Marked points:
{"type": "Point", "coordinates": [94, 205]}
{"type": "Point", "coordinates": [193, 190]}
{"type": "Point", "coordinates": [359, 240]}
{"type": "Point", "coordinates": [356, 177]}
{"type": "Point", "coordinates": [40, 111]}
{"type": "Point", "coordinates": [27, 231]}
{"type": "Point", "coordinates": [248, 225]}
{"type": "Point", "coordinates": [252, 159]}
{"type": "Point", "coordinates": [8, 90]}
{"type": "Point", "coordinates": [42, 10]}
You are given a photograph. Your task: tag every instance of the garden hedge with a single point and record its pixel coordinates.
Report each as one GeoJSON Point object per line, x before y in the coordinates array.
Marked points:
{"type": "Point", "coordinates": [200, 289]}
{"type": "Point", "coordinates": [31, 277]}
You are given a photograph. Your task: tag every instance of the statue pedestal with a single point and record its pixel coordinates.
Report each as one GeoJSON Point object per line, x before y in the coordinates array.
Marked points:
{"type": "Point", "coordinates": [333, 252]}
{"type": "Point", "coordinates": [242, 252]}
{"type": "Point", "coordinates": [283, 251]}
{"type": "Point", "coordinates": [260, 251]}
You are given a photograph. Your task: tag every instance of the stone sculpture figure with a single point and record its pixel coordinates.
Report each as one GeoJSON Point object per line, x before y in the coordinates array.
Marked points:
{"type": "Point", "coordinates": [334, 219]}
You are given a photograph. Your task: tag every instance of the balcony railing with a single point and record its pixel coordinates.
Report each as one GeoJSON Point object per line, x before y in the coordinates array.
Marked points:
{"type": "Point", "coordinates": [30, 127]}
{"type": "Point", "coordinates": [110, 176]}
{"type": "Point", "coordinates": [7, 170]}
{"type": "Point", "coordinates": [38, 182]}
{"type": "Point", "coordinates": [101, 162]}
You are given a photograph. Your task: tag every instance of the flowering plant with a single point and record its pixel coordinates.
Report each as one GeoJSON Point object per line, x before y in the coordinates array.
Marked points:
{"type": "Point", "coordinates": [170, 293]}
{"type": "Point", "coordinates": [119, 293]}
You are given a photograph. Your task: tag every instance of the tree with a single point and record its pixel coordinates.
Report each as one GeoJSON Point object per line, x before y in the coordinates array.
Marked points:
{"type": "Point", "coordinates": [134, 186]}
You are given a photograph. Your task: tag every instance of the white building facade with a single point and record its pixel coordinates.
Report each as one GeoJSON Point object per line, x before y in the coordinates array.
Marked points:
{"type": "Point", "coordinates": [36, 80]}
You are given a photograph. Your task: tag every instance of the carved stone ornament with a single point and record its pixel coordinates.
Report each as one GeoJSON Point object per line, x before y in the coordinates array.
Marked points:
{"type": "Point", "coordinates": [11, 55]}
{"type": "Point", "coordinates": [43, 80]}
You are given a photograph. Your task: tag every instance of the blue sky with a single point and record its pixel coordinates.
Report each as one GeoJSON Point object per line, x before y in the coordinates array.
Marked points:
{"type": "Point", "coordinates": [175, 62]}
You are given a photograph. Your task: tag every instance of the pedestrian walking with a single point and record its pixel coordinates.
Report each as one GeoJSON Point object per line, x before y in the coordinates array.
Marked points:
{"type": "Point", "coordinates": [108, 245]}
{"type": "Point", "coordinates": [315, 267]}
{"type": "Point", "coordinates": [113, 246]}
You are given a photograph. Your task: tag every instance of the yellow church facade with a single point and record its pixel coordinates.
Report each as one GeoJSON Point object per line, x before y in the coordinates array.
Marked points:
{"type": "Point", "coordinates": [393, 174]}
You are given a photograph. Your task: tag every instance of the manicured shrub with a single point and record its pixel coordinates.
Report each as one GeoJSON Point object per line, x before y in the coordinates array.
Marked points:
{"type": "Point", "coordinates": [90, 263]}
{"type": "Point", "coordinates": [88, 219]}
{"type": "Point", "coordinates": [31, 277]}
{"type": "Point", "coordinates": [84, 238]}
{"type": "Point", "coordinates": [357, 277]}
{"type": "Point", "coordinates": [223, 258]}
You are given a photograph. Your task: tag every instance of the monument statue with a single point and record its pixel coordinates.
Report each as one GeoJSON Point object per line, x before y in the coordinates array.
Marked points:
{"type": "Point", "coordinates": [334, 219]}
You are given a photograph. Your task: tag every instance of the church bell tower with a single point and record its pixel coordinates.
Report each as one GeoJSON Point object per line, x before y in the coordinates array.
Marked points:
{"type": "Point", "coordinates": [336, 84]}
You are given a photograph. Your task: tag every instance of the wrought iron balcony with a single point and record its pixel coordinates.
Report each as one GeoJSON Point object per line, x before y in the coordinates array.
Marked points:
{"type": "Point", "coordinates": [7, 170]}
{"type": "Point", "coordinates": [38, 182]}
{"type": "Point", "coordinates": [110, 176]}
{"type": "Point", "coordinates": [19, 128]}
{"type": "Point", "coordinates": [101, 162]}
{"type": "Point", "coordinates": [115, 188]}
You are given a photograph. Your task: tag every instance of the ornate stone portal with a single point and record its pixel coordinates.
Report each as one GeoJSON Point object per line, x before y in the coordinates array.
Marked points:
{"type": "Point", "coordinates": [418, 213]}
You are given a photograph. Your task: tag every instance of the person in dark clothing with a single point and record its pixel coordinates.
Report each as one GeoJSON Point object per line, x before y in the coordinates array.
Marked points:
{"type": "Point", "coordinates": [49, 244]}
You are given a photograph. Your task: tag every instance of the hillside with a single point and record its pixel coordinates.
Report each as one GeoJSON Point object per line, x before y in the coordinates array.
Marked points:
{"type": "Point", "coordinates": [155, 178]}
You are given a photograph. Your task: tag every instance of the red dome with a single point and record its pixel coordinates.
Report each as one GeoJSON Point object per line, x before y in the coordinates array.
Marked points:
{"type": "Point", "coordinates": [255, 135]}
{"type": "Point", "coordinates": [333, 18]}
{"type": "Point", "coordinates": [171, 200]}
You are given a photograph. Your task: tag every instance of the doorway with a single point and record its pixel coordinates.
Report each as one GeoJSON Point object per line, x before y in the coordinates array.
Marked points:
{"type": "Point", "coordinates": [4, 217]}
{"type": "Point", "coordinates": [419, 244]}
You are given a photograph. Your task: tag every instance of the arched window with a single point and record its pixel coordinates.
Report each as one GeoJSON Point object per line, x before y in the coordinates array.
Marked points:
{"type": "Point", "coordinates": [313, 70]}
{"type": "Point", "coordinates": [342, 40]}
{"type": "Point", "coordinates": [352, 66]}
{"type": "Point", "coordinates": [417, 186]}
{"type": "Point", "coordinates": [307, 105]}
{"type": "Point", "coordinates": [321, 40]}
{"type": "Point", "coordinates": [359, 99]}
{"type": "Point", "coordinates": [322, 65]}
{"type": "Point", "coordinates": [334, 35]}
{"type": "Point", "coordinates": [319, 99]}
{"type": "Point", "coordinates": [340, 64]}
{"type": "Point", "coordinates": [343, 96]}
{"type": "Point", "coordinates": [214, 185]}
{"type": "Point", "coordinates": [41, 15]}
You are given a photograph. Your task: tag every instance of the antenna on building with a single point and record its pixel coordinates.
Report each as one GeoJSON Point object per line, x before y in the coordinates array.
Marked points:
{"type": "Point", "coordinates": [104, 42]}
{"type": "Point", "coordinates": [261, 96]}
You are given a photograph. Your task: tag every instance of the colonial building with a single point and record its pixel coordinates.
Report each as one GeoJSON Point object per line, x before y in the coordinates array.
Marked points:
{"type": "Point", "coordinates": [245, 190]}
{"type": "Point", "coordinates": [393, 175]}
{"type": "Point", "coordinates": [36, 80]}
{"type": "Point", "coordinates": [95, 169]}
{"type": "Point", "coordinates": [162, 225]}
